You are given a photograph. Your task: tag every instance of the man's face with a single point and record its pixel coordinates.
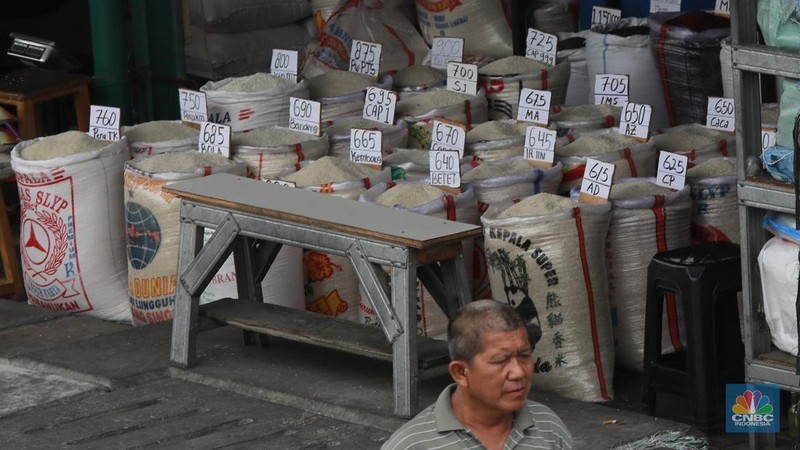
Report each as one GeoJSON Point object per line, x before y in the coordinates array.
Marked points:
{"type": "Point", "coordinates": [499, 377]}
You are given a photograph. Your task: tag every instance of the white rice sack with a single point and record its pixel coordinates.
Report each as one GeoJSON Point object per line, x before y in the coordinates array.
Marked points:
{"type": "Point", "coordinates": [393, 135]}
{"type": "Point", "coordinates": [726, 67]}
{"type": "Point", "coordinates": [411, 163]}
{"type": "Point", "coordinates": [72, 232]}
{"type": "Point", "coordinates": [418, 78]}
{"type": "Point", "coordinates": [585, 117]}
{"type": "Point", "coordinates": [715, 216]}
{"type": "Point", "coordinates": [342, 93]}
{"type": "Point", "coordinates": [572, 46]}
{"type": "Point", "coordinates": [504, 79]}
{"type": "Point", "coordinates": [505, 181]}
{"type": "Point", "coordinates": [419, 111]}
{"type": "Point", "coordinates": [271, 151]}
{"type": "Point", "coordinates": [696, 141]}
{"type": "Point", "coordinates": [495, 139]}
{"type": "Point", "coordinates": [646, 219]}
{"type": "Point", "coordinates": [253, 101]}
{"type": "Point", "coordinates": [777, 263]}
{"type": "Point", "coordinates": [547, 259]}
{"type": "Point", "coordinates": [160, 136]}
{"type": "Point", "coordinates": [485, 25]}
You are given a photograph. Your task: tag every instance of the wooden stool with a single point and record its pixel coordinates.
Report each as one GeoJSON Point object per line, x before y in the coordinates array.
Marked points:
{"type": "Point", "coordinates": [26, 88]}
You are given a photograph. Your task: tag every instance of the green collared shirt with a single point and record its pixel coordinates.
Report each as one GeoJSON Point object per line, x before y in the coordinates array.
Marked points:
{"type": "Point", "coordinates": [535, 427]}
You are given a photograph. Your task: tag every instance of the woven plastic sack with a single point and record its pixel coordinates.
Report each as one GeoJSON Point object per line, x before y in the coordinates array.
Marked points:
{"type": "Point", "coordinates": [485, 25]}
{"type": "Point", "coordinates": [686, 47]}
{"type": "Point", "coordinates": [241, 15]}
{"type": "Point", "coordinates": [779, 23]}
{"type": "Point", "coordinates": [495, 139]}
{"type": "Point", "coordinates": [572, 46]}
{"type": "Point", "coordinates": [504, 190]}
{"type": "Point", "coordinates": [244, 111]}
{"type": "Point", "coordinates": [411, 163]}
{"type": "Point", "coordinates": [695, 141]}
{"type": "Point", "coordinates": [715, 215]}
{"type": "Point", "coordinates": [143, 148]}
{"type": "Point", "coordinates": [503, 89]}
{"type": "Point", "coordinates": [431, 320]}
{"type": "Point", "coordinates": [552, 269]}
{"type": "Point", "coordinates": [270, 161]}
{"type": "Point", "coordinates": [623, 47]}
{"type": "Point", "coordinates": [394, 136]}
{"type": "Point", "coordinates": [640, 228]}
{"type": "Point", "coordinates": [473, 110]}
{"type": "Point", "coordinates": [554, 17]}
{"type": "Point", "coordinates": [152, 219]}
{"type": "Point", "coordinates": [418, 78]}
{"type": "Point", "coordinates": [790, 109]}
{"type": "Point", "coordinates": [726, 67]}
{"type": "Point", "coordinates": [585, 117]}
{"type": "Point", "coordinates": [349, 105]}
{"type": "Point", "coordinates": [72, 232]}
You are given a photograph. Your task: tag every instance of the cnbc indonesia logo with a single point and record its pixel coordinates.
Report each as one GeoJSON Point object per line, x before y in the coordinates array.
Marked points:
{"type": "Point", "coordinates": [753, 410]}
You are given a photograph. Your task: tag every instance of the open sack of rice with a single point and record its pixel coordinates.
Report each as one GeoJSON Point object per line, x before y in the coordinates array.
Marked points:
{"type": "Point", "coordinates": [496, 139]}
{"type": "Point", "coordinates": [269, 152]}
{"type": "Point", "coordinates": [160, 136]}
{"type": "Point", "coordinates": [585, 117]}
{"type": "Point", "coordinates": [695, 141]}
{"type": "Point", "coordinates": [394, 136]}
{"type": "Point", "coordinates": [341, 93]}
{"type": "Point", "coordinates": [412, 163]}
{"type": "Point", "coordinates": [420, 109]}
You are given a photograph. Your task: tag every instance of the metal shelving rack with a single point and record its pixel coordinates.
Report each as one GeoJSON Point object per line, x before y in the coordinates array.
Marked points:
{"type": "Point", "coordinates": [757, 195]}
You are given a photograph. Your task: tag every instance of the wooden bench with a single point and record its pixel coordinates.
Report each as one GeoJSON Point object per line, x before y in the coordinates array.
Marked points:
{"type": "Point", "coordinates": [254, 219]}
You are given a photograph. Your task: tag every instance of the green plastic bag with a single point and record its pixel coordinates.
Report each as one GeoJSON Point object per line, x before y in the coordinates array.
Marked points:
{"type": "Point", "coordinates": [779, 22]}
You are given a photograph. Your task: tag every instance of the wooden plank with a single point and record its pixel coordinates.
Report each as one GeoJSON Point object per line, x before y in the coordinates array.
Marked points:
{"type": "Point", "coordinates": [323, 211]}
{"type": "Point", "coordinates": [779, 358]}
{"type": "Point", "coordinates": [317, 329]}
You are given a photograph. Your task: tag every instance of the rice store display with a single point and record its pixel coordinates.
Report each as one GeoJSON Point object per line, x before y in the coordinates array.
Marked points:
{"type": "Point", "coordinates": [72, 231]}
{"type": "Point", "coordinates": [571, 119]}
{"type": "Point", "coordinates": [411, 163]}
{"type": "Point", "coordinates": [332, 286]}
{"type": "Point", "coordinates": [496, 139]}
{"type": "Point", "coordinates": [152, 219]}
{"type": "Point", "coordinates": [645, 219]}
{"type": "Point", "coordinates": [504, 79]}
{"type": "Point", "coordinates": [547, 259]}
{"type": "Point", "coordinates": [687, 48]}
{"type": "Point", "coordinates": [695, 141]}
{"type": "Point", "coordinates": [420, 109]}
{"type": "Point", "coordinates": [394, 136]}
{"type": "Point", "coordinates": [422, 198]}
{"type": "Point", "coordinates": [342, 93]}
{"type": "Point", "coordinates": [271, 151]}
{"type": "Point", "coordinates": [160, 136]}
{"type": "Point", "coordinates": [714, 193]}
{"type": "Point", "coordinates": [252, 101]}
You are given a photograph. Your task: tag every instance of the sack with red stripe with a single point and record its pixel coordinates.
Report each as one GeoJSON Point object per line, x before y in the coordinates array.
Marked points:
{"type": "Point", "coordinates": [244, 111]}
{"type": "Point", "coordinates": [571, 119]}
{"type": "Point", "coordinates": [420, 109]}
{"type": "Point", "coordinates": [184, 137]}
{"type": "Point", "coordinates": [269, 152]}
{"type": "Point", "coordinates": [630, 159]}
{"type": "Point", "coordinates": [715, 216]}
{"type": "Point", "coordinates": [345, 100]}
{"type": "Point", "coordinates": [648, 219]}
{"type": "Point", "coordinates": [550, 265]}
{"type": "Point", "coordinates": [695, 141]}
{"type": "Point", "coordinates": [508, 188]}
{"type": "Point", "coordinates": [496, 139]}
{"type": "Point", "coordinates": [485, 25]}
{"type": "Point", "coordinates": [394, 136]}
{"type": "Point", "coordinates": [431, 320]}
{"type": "Point", "coordinates": [503, 81]}
{"type": "Point", "coordinates": [412, 163]}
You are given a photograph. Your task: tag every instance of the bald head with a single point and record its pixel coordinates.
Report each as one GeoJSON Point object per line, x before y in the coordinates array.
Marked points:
{"type": "Point", "coordinates": [476, 319]}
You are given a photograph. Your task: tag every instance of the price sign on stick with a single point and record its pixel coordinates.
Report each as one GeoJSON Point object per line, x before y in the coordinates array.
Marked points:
{"type": "Point", "coordinates": [445, 50]}
{"type": "Point", "coordinates": [540, 145]}
{"type": "Point", "coordinates": [193, 106]}
{"type": "Point", "coordinates": [723, 8]}
{"type": "Point", "coordinates": [304, 115]}
{"type": "Point", "coordinates": [635, 120]}
{"type": "Point", "coordinates": [445, 168]}
{"type": "Point", "coordinates": [672, 169]}
{"type": "Point", "coordinates": [768, 138]}
{"type": "Point", "coordinates": [379, 105]}
{"type": "Point", "coordinates": [104, 123]}
{"type": "Point", "coordinates": [284, 64]}
{"type": "Point", "coordinates": [597, 179]}
{"type": "Point", "coordinates": [462, 78]}
{"type": "Point", "coordinates": [603, 16]}
{"type": "Point", "coordinates": [534, 106]}
{"type": "Point", "coordinates": [365, 147]}
{"type": "Point", "coordinates": [448, 135]}
{"type": "Point", "coordinates": [665, 5]}
{"type": "Point", "coordinates": [610, 89]}
{"type": "Point", "coordinates": [365, 57]}
{"type": "Point", "coordinates": [215, 138]}
{"type": "Point", "coordinates": [541, 46]}
{"type": "Point", "coordinates": [720, 115]}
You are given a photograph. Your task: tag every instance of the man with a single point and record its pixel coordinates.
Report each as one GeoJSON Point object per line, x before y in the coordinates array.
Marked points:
{"type": "Point", "coordinates": [487, 406]}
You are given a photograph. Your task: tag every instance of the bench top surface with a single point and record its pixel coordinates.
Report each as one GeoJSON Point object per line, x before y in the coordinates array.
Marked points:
{"type": "Point", "coordinates": [323, 211]}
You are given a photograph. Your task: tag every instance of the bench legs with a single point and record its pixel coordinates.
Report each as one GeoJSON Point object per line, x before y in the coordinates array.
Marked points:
{"type": "Point", "coordinates": [252, 263]}
{"type": "Point", "coordinates": [184, 323]}
{"type": "Point", "coordinates": [404, 351]}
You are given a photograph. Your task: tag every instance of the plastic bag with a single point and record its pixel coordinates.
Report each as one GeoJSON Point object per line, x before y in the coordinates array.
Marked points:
{"type": "Point", "coordinates": [779, 162]}
{"type": "Point", "coordinates": [779, 22]}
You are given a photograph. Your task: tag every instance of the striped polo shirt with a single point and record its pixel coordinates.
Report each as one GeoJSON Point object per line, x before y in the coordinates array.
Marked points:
{"type": "Point", "coordinates": [436, 427]}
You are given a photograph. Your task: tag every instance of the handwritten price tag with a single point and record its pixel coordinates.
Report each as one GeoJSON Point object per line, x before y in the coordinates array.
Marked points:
{"type": "Point", "coordinates": [379, 105]}
{"type": "Point", "coordinates": [723, 8]}
{"type": "Point", "coordinates": [534, 106]}
{"type": "Point", "coordinates": [215, 138]}
{"type": "Point", "coordinates": [610, 89]}
{"type": "Point", "coordinates": [445, 50]}
{"type": "Point", "coordinates": [541, 46]}
{"type": "Point", "coordinates": [104, 123]}
{"type": "Point", "coordinates": [768, 139]}
{"type": "Point", "coordinates": [603, 16]}
{"type": "Point", "coordinates": [193, 106]}
{"type": "Point", "coordinates": [365, 146]}
{"type": "Point", "coordinates": [284, 64]}
{"type": "Point", "coordinates": [462, 78]}
{"type": "Point", "coordinates": [721, 114]}
{"type": "Point", "coordinates": [665, 5]}
{"type": "Point", "coordinates": [304, 115]}
{"type": "Point", "coordinates": [365, 57]}
{"type": "Point", "coordinates": [635, 120]}
{"type": "Point", "coordinates": [672, 169]}
{"type": "Point", "coordinates": [597, 179]}
{"type": "Point", "coordinates": [445, 168]}
{"type": "Point", "coordinates": [448, 135]}
{"type": "Point", "coordinates": [540, 145]}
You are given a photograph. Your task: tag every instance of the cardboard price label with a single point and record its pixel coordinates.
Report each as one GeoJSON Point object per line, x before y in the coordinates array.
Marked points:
{"type": "Point", "coordinates": [365, 57]}
{"type": "Point", "coordinates": [304, 115]}
{"type": "Point", "coordinates": [540, 145]}
{"type": "Point", "coordinates": [365, 146]}
{"type": "Point", "coordinates": [284, 64]}
{"type": "Point", "coordinates": [448, 135]}
{"type": "Point", "coordinates": [445, 168]}
{"type": "Point", "coordinates": [723, 8]}
{"type": "Point", "coordinates": [610, 89]}
{"type": "Point", "coordinates": [104, 123]}
{"type": "Point", "coordinates": [379, 105]}
{"type": "Point", "coordinates": [462, 78]}
{"type": "Point", "coordinates": [445, 50]}
{"type": "Point", "coordinates": [665, 5]}
{"type": "Point", "coordinates": [193, 106]}
{"type": "Point", "coordinates": [768, 139]}
{"type": "Point", "coordinates": [603, 16]}
{"type": "Point", "coordinates": [541, 46]}
{"type": "Point", "coordinates": [672, 169]}
{"type": "Point", "coordinates": [597, 179]}
{"type": "Point", "coordinates": [534, 106]}
{"type": "Point", "coordinates": [635, 120]}
{"type": "Point", "coordinates": [215, 138]}
{"type": "Point", "coordinates": [721, 114]}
